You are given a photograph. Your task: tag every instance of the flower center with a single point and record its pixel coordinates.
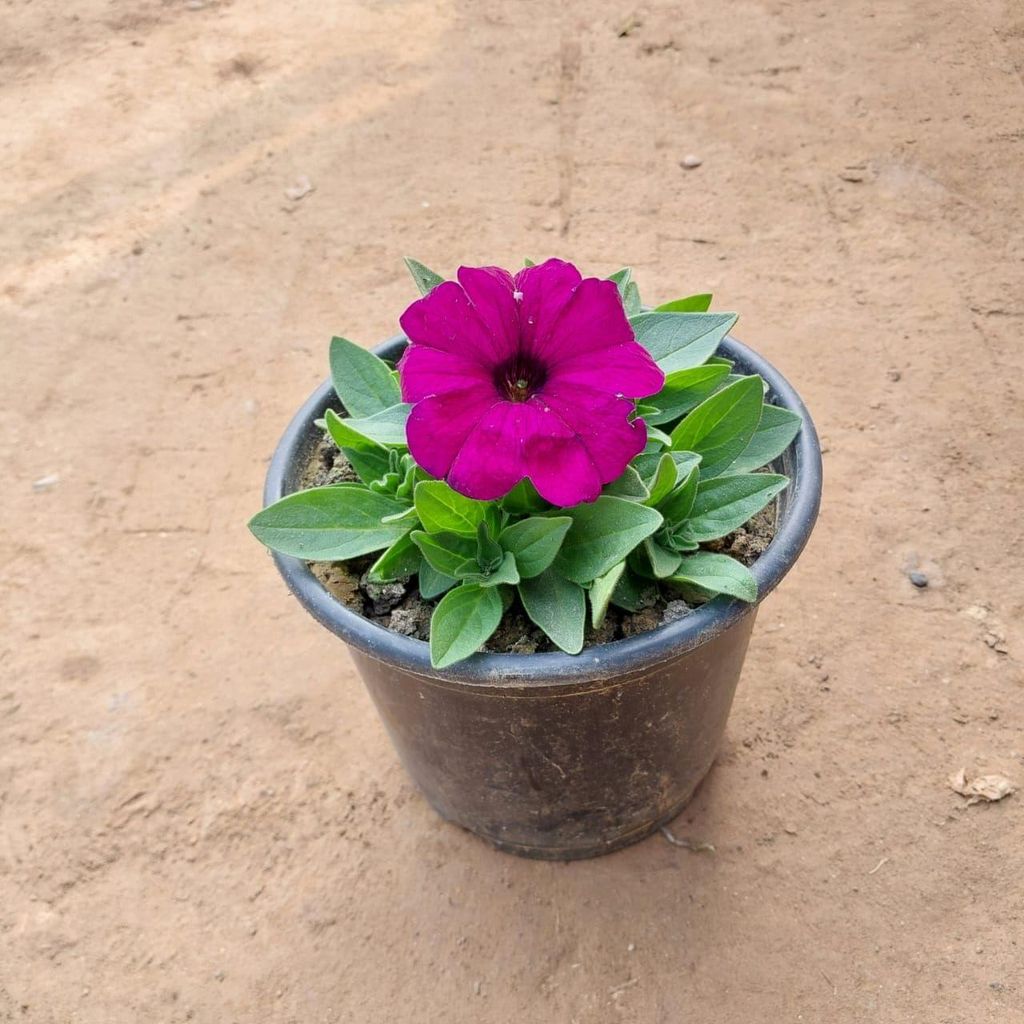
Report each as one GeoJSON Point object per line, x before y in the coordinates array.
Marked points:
{"type": "Point", "coordinates": [519, 378]}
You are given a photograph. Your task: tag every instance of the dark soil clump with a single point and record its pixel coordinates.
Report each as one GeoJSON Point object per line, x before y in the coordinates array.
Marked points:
{"type": "Point", "coordinates": [400, 608]}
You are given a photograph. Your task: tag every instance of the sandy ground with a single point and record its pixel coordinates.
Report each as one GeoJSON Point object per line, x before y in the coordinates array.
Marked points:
{"type": "Point", "coordinates": [200, 816]}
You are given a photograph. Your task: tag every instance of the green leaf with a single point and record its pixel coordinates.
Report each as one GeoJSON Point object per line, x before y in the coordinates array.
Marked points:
{"type": "Point", "coordinates": [523, 499]}
{"type": "Point", "coordinates": [621, 278]}
{"type": "Point", "coordinates": [462, 622]}
{"type": "Point", "coordinates": [603, 533]}
{"type": "Point", "coordinates": [528, 262]}
{"type": "Point", "coordinates": [664, 480]}
{"type": "Point", "coordinates": [506, 572]}
{"type": "Point", "coordinates": [386, 427]}
{"type": "Point", "coordinates": [442, 509]}
{"type": "Point", "coordinates": [329, 524]}
{"type": "Point", "coordinates": [662, 561]}
{"type": "Point", "coordinates": [659, 436]}
{"type": "Point", "coordinates": [433, 583]}
{"type": "Point", "coordinates": [722, 425]}
{"type": "Point", "coordinates": [679, 341]}
{"type": "Point", "coordinates": [425, 278]}
{"type": "Point", "coordinates": [629, 485]}
{"type": "Point", "coordinates": [646, 463]}
{"type": "Point", "coordinates": [679, 540]}
{"type": "Point", "coordinates": [718, 574]}
{"type": "Point", "coordinates": [446, 552]}
{"type": "Point", "coordinates": [727, 502]}
{"type": "Point", "coordinates": [369, 459]}
{"type": "Point", "coordinates": [489, 553]}
{"type": "Point", "coordinates": [678, 505]}
{"type": "Point", "coordinates": [691, 304]}
{"type": "Point", "coordinates": [629, 591]}
{"type": "Point", "coordinates": [535, 542]}
{"type": "Point", "coordinates": [601, 593]}
{"type": "Point", "coordinates": [558, 607]}
{"type": "Point", "coordinates": [407, 516]}
{"type": "Point", "coordinates": [773, 436]}
{"type": "Point", "coordinates": [362, 381]}
{"type": "Point", "coordinates": [683, 390]}
{"type": "Point", "coordinates": [631, 302]}
{"type": "Point", "coordinates": [399, 562]}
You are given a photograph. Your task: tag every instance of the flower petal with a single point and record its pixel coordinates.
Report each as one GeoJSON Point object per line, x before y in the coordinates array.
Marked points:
{"type": "Point", "coordinates": [438, 426]}
{"type": "Point", "coordinates": [426, 371]}
{"type": "Point", "coordinates": [447, 320]}
{"type": "Point", "coordinates": [545, 288]}
{"type": "Point", "coordinates": [491, 461]}
{"type": "Point", "coordinates": [591, 321]}
{"type": "Point", "coordinates": [490, 290]}
{"type": "Point", "coordinates": [561, 469]}
{"type": "Point", "coordinates": [621, 370]}
{"type": "Point", "coordinates": [601, 422]}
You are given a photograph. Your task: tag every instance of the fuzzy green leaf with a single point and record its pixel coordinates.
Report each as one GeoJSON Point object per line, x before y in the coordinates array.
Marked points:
{"type": "Point", "coordinates": [535, 542]}
{"type": "Point", "coordinates": [773, 436]}
{"type": "Point", "coordinates": [691, 304]}
{"type": "Point", "coordinates": [683, 390]}
{"type": "Point", "coordinates": [662, 561]}
{"type": "Point", "coordinates": [629, 485]}
{"type": "Point", "coordinates": [369, 459]}
{"type": "Point", "coordinates": [717, 574]}
{"type": "Point", "coordinates": [621, 279]}
{"type": "Point", "coordinates": [523, 499]}
{"type": "Point", "coordinates": [462, 622]}
{"type": "Point", "coordinates": [721, 426]}
{"type": "Point", "coordinates": [664, 480]}
{"type": "Point", "coordinates": [677, 506]}
{"type": "Point", "coordinates": [629, 591]}
{"type": "Point", "coordinates": [362, 380]}
{"type": "Point", "coordinates": [726, 502]}
{"type": "Point", "coordinates": [631, 301]}
{"type": "Point", "coordinates": [558, 607]}
{"type": "Point", "coordinates": [442, 509]}
{"type": "Point", "coordinates": [425, 278]}
{"type": "Point", "coordinates": [658, 437]}
{"type": "Point", "coordinates": [386, 427]}
{"type": "Point", "coordinates": [399, 562]}
{"type": "Point", "coordinates": [646, 464]}
{"type": "Point", "coordinates": [603, 533]}
{"type": "Point", "coordinates": [489, 553]}
{"type": "Point", "coordinates": [329, 524]}
{"type": "Point", "coordinates": [601, 593]}
{"type": "Point", "coordinates": [506, 572]}
{"type": "Point", "coordinates": [679, 341]}
{"type": "Point", "coordinates": [433, 583]}
{"type": "Point", "coordinates": [408, 515]}
{"type": "Point", "coordinates": [446, 552]}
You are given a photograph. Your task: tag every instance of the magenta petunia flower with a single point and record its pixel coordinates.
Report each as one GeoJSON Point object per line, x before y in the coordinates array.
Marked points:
{"type": "Point", "coordinates": [527, 376]}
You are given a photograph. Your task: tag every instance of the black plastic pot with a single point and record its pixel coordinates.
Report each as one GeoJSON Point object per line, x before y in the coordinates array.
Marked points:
{"type": "Point", "coordinates": [549, 755]}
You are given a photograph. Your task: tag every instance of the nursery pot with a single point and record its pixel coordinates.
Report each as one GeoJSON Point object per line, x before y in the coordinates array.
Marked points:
{"type": "Point", "coordinates": [551, 755]}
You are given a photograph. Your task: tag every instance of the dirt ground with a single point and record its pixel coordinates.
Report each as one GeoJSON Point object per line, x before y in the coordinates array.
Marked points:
{"type": "Point", "coordinates": [201, 818]}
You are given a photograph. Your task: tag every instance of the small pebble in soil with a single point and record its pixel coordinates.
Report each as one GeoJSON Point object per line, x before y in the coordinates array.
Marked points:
{"type": "Point", "coordinates": [894, 375]}
{"type": "Point", "coordinates": [384, 596]}
{"type": "Point", "coordinates": [690, 162]}
{"type": "Point", "coordinates": [46, 483]}
{"type": "Point", "coordinates": [918, 578]}
{"type": "Point", "coordinates": [674, 611]}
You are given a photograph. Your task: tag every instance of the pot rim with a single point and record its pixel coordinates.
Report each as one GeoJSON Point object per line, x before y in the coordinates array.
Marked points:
{"type": "Point", "coordinates": [798, 510]}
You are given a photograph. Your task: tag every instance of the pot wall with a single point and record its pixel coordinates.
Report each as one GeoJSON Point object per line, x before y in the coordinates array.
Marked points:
{"type": "Point", "coordinates": [563, 772]}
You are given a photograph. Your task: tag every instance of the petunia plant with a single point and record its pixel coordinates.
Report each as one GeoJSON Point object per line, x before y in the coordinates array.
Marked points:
{"type": "Point", "coordinates": [544, 439]}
